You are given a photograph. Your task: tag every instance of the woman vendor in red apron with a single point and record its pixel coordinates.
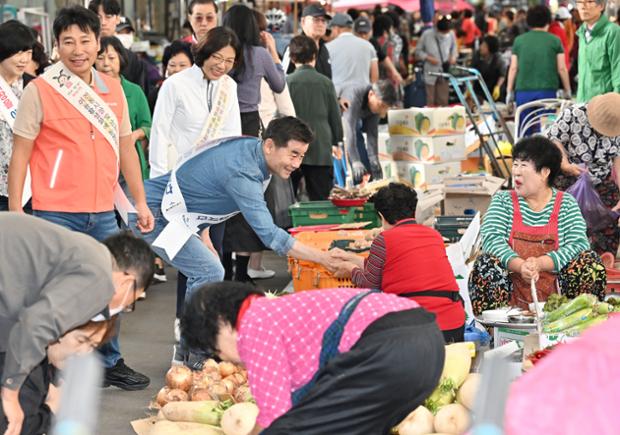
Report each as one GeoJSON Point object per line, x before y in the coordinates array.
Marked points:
{"type": "Point", "coordinates": [533, 232]}
{"type": "Point", "coordinates": [409, 260]}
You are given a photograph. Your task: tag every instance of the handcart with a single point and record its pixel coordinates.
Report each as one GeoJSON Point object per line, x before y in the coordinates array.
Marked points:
{"type": "Point", "coordinates": [493, 132]}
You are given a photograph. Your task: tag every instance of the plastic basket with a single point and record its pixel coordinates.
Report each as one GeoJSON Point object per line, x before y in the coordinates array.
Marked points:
{"type": "Point", "coordinates": [452, 227]}
{"type": "Point", "coordinates": [308, 275]}
{"type": "Point", "coordinates": [324, 212]}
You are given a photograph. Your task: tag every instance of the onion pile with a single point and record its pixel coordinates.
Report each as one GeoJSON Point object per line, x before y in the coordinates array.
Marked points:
{"type": "Point", "coordinates": [223, 381]}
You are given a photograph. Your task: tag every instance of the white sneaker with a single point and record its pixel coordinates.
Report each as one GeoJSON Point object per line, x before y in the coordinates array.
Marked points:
{"type": "Point", "coordinates": [177, 330]}
{"type": "Point", "coordinates": [262, 273]}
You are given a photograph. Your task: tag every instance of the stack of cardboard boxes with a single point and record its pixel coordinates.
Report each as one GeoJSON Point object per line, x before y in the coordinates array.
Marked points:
{"type": "Point", "coordinates": [427, 144]}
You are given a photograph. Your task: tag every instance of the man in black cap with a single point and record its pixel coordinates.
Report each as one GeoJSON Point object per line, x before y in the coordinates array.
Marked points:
{"type": "Point", "coordinates": [314, 20]}
{"type": "Point", "coordinates": [52, 281]}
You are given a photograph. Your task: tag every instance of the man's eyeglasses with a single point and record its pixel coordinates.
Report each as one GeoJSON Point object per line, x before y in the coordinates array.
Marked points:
{"type": "Point", "coordinates": [219, 59]}
{"type": "Point", "coordinates": [319, 20]}
{"type": "Point", "coordinates": [132, 306]}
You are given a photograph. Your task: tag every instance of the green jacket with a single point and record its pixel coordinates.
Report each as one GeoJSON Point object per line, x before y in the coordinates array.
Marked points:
{"type": "Point", "coordinates": [599, 60]}
{"type": "Point", "coordinates": [139, 116]}
{"type": "Point", "coordinates": [314, 98]}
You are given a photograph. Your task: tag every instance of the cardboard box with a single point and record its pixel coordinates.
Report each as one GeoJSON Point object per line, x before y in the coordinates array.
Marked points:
{"type": "Point", "coordinates": [503, 335]}
{"type": "Point", "coordinates": [382, 145]}
{"type": "Point", "coordinates": [428, 202]}
{"type": "Point", "coordinates": [435, 121]}
{"type": "Point", "coordinates": [388, 166]}
{"type": "Point", "coordinates": [423, 174]}
{"type": "Point", "coordinates": [428, 148]}
{"type": "Point", "coordinates": [469, 193]}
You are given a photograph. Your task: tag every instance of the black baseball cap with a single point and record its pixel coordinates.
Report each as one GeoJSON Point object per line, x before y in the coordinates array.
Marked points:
{"type": "Point", "coordinates": [362, 25]}
{"type": "Point", "coordinates": [315, 10]}
{"type": "Point", "coordinates": [125, 23]}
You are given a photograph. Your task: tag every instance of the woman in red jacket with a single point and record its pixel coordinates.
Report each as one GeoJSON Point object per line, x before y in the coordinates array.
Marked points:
{"type": "Point", "coordinates": [409, 260]}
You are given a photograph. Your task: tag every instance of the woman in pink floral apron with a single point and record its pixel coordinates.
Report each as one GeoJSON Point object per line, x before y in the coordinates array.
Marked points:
{"type": "Point", "coordinates": [533, 232]}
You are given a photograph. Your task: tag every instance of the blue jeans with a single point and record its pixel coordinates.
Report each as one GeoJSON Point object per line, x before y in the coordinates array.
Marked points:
{"type": "Point", "coordinates": [194, 260]}
{"type": "Point", "coordinates": [361, 145]}
{"type": "Point", "coordinates": [99, 226]}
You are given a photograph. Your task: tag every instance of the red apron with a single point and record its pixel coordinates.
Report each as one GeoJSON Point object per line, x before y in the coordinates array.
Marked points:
{"type": "Point", "coordinates": [528, 242]}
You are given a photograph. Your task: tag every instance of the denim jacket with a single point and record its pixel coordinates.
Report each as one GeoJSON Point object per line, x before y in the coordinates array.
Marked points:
{"type": "Point", "coordinates": [227, 178]}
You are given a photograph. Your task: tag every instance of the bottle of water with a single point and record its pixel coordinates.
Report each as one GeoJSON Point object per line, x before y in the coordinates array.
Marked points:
{"type": "Point", "coordinates": [80, 396]}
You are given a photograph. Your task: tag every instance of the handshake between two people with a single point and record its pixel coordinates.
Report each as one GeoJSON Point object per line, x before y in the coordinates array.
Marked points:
{"type": "Point", "coordinates": [342, 263]}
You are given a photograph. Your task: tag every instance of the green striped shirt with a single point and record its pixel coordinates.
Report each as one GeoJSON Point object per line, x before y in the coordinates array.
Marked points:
{"type": "Point", "coordinates": [498, 220]}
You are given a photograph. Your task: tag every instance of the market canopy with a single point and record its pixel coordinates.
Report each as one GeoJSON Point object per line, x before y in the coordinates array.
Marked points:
{"type": "Point", "coordinates": [408, 5]}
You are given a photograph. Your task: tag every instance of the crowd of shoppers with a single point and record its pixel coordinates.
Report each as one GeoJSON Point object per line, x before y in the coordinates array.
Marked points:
{"type": "Point", "coordinates": [195, 158]}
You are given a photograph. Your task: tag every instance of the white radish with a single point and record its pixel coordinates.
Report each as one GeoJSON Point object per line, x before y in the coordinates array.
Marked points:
{"type": "Point", "coordinates": [239, 419]}
{"type": "Point", "coordinates": [466, 395]}
{"type": "Point", "coordinates": [418, 422]}
{"type": "Point", "coordinates": [453, 419]}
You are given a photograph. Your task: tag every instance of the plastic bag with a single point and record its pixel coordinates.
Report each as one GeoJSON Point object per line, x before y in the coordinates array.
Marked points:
{"type": "Point", "coordinates": [596, 214]}
{"type": "Point", "coordinates": [279, 197]}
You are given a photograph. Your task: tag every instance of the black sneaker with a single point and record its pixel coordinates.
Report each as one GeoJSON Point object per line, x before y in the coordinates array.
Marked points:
{"type": "Point", "coordinates": [125, 378]}
{"type": "Point", "coordinates": [159, 275]}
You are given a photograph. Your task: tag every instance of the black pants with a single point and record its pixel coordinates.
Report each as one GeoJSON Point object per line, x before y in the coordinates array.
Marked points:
{"type": "Point", "coordinates": [32, 395]}
{"type": "Point", "coordinates": [456, 335]}
{"type": "Point", "coordinates": [389, 372]}
{"type": "Point", "coordinates": [319, 181]}
{"type": "Point", "coordinates": [250, 123]}
{"type": "Point", "coordinates": [4, 205]}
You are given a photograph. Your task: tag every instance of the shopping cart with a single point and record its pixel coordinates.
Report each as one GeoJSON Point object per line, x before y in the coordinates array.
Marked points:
{"type": "Point", "coordinates": [537, 116]}
{"type": "Point", "coordinates": [487, 122]}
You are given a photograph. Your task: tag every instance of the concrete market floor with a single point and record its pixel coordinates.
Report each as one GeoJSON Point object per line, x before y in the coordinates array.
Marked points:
{"type": "Point", "coordinates": [146, 344]}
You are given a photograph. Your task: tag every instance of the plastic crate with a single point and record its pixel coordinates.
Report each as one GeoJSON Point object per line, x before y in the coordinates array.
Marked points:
{"type": "Point", "coordinates": [324, 212]}
{"type": "Point", "coordinates": [308, 275]}
{"type": "Point", "coordinates": [452, 227]}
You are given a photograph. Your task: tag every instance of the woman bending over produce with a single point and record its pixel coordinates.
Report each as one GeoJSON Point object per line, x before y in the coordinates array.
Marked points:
{"type": "Point", "coordinates": [534, 232]}
{"type": "Point", "coordinates": [409, 260]}
{"type": "Point", "coordinates": [323, 361]}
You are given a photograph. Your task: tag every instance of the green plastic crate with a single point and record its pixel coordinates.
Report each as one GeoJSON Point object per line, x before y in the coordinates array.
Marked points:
{"type": "Point", "coordinates": [324, 212]}
{"type": "Point", "coordinates": [452, 227]}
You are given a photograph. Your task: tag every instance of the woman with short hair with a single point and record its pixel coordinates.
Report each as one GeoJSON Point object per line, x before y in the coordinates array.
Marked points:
{"type": "Point", "coordinates": [408, 259]}
{"type": "Point", "coordinates": [110, 61]}
{"type": "Point", "coordinates": [16, 44]}
{"type": "Point", "coordinates": [177, 57]}
{"type": "Point", "coordinates": [533, 232]}
{"type": "Point", "coordinates": [537, 61]}
{"type": "Point", "coordinates": [330, 361]}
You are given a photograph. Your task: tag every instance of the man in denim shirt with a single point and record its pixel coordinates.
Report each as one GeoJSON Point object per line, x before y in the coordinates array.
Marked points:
{"type": "Point", "coordinates": [228, 178]}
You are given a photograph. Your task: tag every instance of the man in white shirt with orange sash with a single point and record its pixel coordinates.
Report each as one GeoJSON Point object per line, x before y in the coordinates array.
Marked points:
{"type": "Point", "coordinates": [73, 129]}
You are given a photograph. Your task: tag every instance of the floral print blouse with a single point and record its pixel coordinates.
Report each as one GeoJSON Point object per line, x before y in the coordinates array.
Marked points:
{"type": "Point", "coordinates": [6, 142]}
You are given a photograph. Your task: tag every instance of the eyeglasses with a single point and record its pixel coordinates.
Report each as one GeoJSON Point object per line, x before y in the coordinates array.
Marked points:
{"type": "Point", "coordinates": [219, 60]}
{"type": "Point", "coordinates": [319, 20]}
{"type": "Point", "coordinates": [132, 307]}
